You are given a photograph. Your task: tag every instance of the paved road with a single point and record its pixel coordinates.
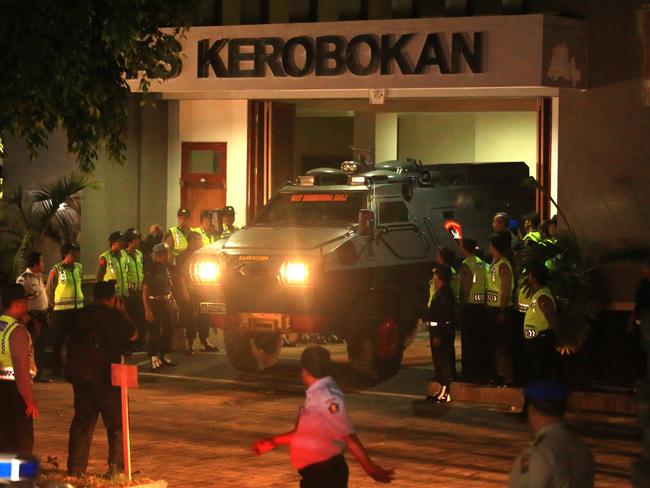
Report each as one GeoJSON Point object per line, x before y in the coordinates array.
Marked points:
{"type": "Point", "coordinates": [193, 426]}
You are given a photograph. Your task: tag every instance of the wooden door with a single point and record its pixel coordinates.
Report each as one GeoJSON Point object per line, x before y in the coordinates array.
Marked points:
{"type": "Point", "coordinates": [203, 177]}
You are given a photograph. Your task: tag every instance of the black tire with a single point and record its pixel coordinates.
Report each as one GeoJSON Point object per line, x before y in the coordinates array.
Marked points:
{"type": "Point", "coordinates": [376, 345]}
{"type": "Point", "coordinates": [252, 352]}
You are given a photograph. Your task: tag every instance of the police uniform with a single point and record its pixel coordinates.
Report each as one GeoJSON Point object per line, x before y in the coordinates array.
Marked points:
{"type": "Point", "coordinates": [228, 229]}
{"type": "Point", "coordinates": [206, 238]}
{"type": "Point", "coordinates": [179, 240]}
{"type": "Point", "coordinates": [17, 368]}
{"type": "Point", "coordinates": [161, 331]}
{"type": "Point", "coordinates": [557, 457]}
{"type": "Point", "coordinates": [113, 266]}
{"type": "Point", "coordinates": [64, 285]}
{"type": "Point", "coordinates": [472, 316]}
{"type": "Point", "coordinates": [500, 333]}
{"type": "Point", "coordinates": [440, 318]}
{"type": "Point", "coordinates": [539, 339]}
{"type": "Point", "coordinates": [317, 444]}
{"type": "Point", "coordinates": [134, 264]}
{"type": "Point", "coordinates": [38, 304]}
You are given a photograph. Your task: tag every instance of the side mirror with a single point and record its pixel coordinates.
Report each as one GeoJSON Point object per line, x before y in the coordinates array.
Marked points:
{"type": "Point", "coordinates": [366, 222]}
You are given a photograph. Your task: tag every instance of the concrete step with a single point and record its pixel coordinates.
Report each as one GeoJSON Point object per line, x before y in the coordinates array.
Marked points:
{"type": "Point", "coordinates": [513, 398]}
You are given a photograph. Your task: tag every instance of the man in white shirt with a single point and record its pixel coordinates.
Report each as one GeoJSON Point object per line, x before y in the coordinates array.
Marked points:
{"type": "Point", "coordinates": [37, 302]}
{"type": "Point", "coordinates": [323, 431]}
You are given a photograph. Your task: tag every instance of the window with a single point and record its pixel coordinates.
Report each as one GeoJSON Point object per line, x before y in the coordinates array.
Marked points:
{"type": "Point", "coordinates": [393, 212]}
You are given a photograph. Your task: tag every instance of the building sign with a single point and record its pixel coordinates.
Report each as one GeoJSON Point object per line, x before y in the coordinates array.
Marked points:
{"type": "Point", "coordinates": [280, 60]}
{"type": "Point", "coordinates": [362, 55]}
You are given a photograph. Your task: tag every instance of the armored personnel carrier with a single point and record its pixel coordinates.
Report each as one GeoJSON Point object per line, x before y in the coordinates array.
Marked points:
{"type": "Point", "coordinates": [348, 252]}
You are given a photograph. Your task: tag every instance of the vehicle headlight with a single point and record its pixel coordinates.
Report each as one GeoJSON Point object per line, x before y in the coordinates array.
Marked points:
{"type": "Point", "coordinates": [205, 271]}
{"type": "Point", "coordinates": [294, 273]}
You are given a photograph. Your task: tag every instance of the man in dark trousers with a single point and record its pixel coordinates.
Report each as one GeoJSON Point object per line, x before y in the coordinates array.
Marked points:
{"type": "Point", "coordinates": [158, 302]}
{"type": "Point", "coordinates": [440, 318]}
{"type": "Point", "coordinates": [323, 431]}
{"type": "Point", "coordinates": [99, 336]}
{"type": "Point", "coordinates": [17, 368]}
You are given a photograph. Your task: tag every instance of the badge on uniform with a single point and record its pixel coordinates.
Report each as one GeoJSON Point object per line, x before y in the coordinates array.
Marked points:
{"type": "Point", "coordinates": [334, 408]}
{"type": "Point", "coordinates": [524, 465]}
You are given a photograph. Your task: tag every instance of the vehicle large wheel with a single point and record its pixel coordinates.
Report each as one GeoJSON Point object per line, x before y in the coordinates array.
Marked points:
{"type": "Point", "coordinates": [252, 351]}
{"type": "Point", "coordinates": [376, 345]}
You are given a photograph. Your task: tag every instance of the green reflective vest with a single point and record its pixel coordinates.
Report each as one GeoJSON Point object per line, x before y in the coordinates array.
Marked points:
{"type": "Point", "coordinates": [479, 279]}
{"type": "Point", "coordinates": [523, 300]}
{"type": "Point", "coordinates": [116, 270]}
{"type": "Point", "coordinates": [7, 326]}
{"type": "Point", "coordinates": [68, 294]}
{"type": "Point", "coordinates": [228, 231]}
{"type": "Point", "coordinates": [206, 238]}
{"type": "Point", "coordinates": [454, 284]}
{"type": "Point", "coordinates": [179, 241]}
{"type": "Point", "coordinates": [134, 269]}
{"type": "Point", "coordinates": [494, 284]}
{"type": "Point", "coordinates": [535, 320]}
{"type": "Point", "coordinates": [534, 236]}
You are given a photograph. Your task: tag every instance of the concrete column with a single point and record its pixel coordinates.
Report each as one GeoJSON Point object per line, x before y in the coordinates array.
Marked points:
{"type": "Point", "coordinates": [278, 11]}
{"type": "Point", "coordinates": [385, 137]}
{"type": "Point", "coordinates": [363, 138]}
{"type": "Point", "coordinates": [173, 161]}
{"type": "Point", "coordinates": [378, 9]}
{"type": "Point", "coordinates": [327, 10]}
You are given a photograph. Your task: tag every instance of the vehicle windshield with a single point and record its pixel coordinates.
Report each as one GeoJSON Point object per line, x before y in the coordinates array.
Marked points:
{"type": "Point", "coordinates": [334, 209]}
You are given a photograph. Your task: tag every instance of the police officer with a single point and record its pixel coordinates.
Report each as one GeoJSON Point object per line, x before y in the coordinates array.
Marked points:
{"type": "Point", "coordinates": [473, 282]}
{"type": "Point", "coordinates": [32, 281]}
{"type": "Point", "coordinates": [17, 368]}
{"type": "Point", "coordinates": [557, 457]}
{"type": "Point", "coordinates": [440, 319]}
{"type": "Point", "coordinates": [134, 264]}
{"type": "Point", "coordinates": [228, 216]}
{"type": "Point", "coordinates": [500, 285]}
{"type": "Point", "coordinates": [445, 257]}
{"type": "Point", "coordinates": [540, 322]}
{"type": "Point", "coordinates": [176, 238]}
{"type": "Point", "coordinates": [323, 431]}
{"type": "Point", "coordinates": [531, 226]}
{"type": "Point", "coordinates": [501, 225]}
{"type": "Point", "coordinates": [112, 266]}
{"type": "Point", "coordinates": [64, 292]}
{"type": "Point", "coordinates": [158, 302]}
{"type": "Point", "coordinates": [206, 230]}
{"type": "Point", "coordinates": [98, 338]}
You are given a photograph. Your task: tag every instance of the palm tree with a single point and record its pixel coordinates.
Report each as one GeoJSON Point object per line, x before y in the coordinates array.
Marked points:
{"type": "Point", "coordinates": [30, 215]}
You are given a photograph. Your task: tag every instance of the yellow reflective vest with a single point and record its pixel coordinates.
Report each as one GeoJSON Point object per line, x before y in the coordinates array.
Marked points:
{"type": "Point", "coordinates": [7, 326]}
{"type": "Point", "coordinates": [68, 294]}
{"type": "Point", "coordinates": [494, 284]}
{"type": "Point", "coordinates": [535, 320]}
{"type": "Point", "coordinates": [206, 238]}
{"type": "Point", "coordinates": [479, 279]}
{"type": "Point", "coordinates": [116, 270]}
{"type": "Point", "coordinates": [134, 269]}
{"type": "Point", "coordinates": [179, 241]}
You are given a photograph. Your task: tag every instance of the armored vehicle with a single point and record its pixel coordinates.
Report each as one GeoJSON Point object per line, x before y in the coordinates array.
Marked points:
{"type": "Point", "coordinates": [348, 253]}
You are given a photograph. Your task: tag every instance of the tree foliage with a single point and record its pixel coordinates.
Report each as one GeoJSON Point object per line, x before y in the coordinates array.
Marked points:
{"type": "Point", "coordinates": [64, 64]}
{"type": "Point", "coordinates": [27, 216]}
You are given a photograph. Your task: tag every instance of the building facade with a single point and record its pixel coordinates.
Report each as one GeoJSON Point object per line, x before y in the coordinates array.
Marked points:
{"type": "Point", "coordinates": [268, 89]}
